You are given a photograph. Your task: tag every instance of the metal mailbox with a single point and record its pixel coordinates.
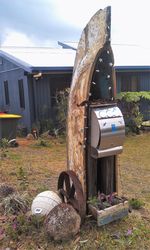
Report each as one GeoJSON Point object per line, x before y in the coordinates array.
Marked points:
{"type": "Point", "coordinates": [107, 131]}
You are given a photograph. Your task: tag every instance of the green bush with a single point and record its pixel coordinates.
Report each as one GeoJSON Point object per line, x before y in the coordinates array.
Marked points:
{"type": "Point", "coordinates": [62, 109]}
{"type": "Point", "coordinates": [136, 204]}
{"type": "Point", "coordinates": [129, 102]}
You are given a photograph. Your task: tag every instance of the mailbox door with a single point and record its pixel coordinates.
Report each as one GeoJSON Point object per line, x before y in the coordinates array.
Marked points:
{"type": "Point", "coordinates": [112, 132]}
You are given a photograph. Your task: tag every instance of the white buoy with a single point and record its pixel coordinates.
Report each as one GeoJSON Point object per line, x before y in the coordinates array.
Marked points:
{"type": "Point", "coordinates": [44, 202]}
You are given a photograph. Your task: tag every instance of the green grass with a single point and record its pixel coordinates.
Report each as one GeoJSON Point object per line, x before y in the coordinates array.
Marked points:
{"type": "Point", "coordinates": [43, 166]}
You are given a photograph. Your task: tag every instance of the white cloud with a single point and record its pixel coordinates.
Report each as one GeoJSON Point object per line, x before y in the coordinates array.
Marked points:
{"type": "Point", "coordinates": [42, 21]}
{"type": "Point", "coordinates": [14, 38]}
{"type": "Point", "coordinates": [130, 19]}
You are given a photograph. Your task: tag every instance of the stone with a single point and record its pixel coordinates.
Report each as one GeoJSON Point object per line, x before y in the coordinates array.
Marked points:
{"type": "Point", "coordinates": [30, 137]}
{"type": "Point", "coordinates": [62, 223]}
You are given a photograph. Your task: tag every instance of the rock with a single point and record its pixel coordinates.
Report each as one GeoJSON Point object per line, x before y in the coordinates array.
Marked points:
{"type": "Point", "coordinates": [30, 137]}
{"type": "Point", "coordinates": [63, 222]}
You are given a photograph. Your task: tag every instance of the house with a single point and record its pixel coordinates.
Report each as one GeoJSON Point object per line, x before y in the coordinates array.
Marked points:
{"type": "Point", "coordinates": [132, 67]}
{"type": "Point", "coordinates": [30, 77]}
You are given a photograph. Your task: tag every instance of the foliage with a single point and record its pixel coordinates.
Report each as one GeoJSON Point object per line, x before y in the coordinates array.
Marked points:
{"type": "Point", "coordinates": [43, 125]}
{"type": "Point", "coordinates": [22, 178]}
{"type": "Point", "coordinates": [21, 130]}
{"type": "Point", "coordinates": [42, 143]}
{"type": "Point", "coordinates": [134, 96]}
{"type": "Point", "coordinates": [25, 225]}
{"type": "Point", "coordinates": [56, 126]}
{"type": "Point", "coordinates": [5, 190]}
{"type": "Point", "coordinates": [43, 168]}
{"type": "Point", "coordinates": [15, 203]}
{"type": "Point", "coordinates": [62, 107]}
{"type": "Point", "coordinates": [129, 103]}
{"type": "Point", "coordinates": [4, 144]}
{"type": "Point", "coordinates": [103, 201]}
{"type": "Point", "coordinates": [136, 204]}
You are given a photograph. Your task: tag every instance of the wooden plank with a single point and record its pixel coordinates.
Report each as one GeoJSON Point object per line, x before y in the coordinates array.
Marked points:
{"type": "Point", "coordinates": [91, 168]}
{"type": "Point", "coordinates": [116, 174]}
{"type": "Point", "coordinates": [106, 175]}
{"type": "Point", "coordinates": [110, 214]}
{"type": "Point", "coordinates": [93, 39]}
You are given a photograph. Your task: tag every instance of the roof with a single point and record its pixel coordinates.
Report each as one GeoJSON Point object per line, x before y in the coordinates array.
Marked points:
{"type": "Point", "coordinates": [36, 59]}
{"type": "Point", "coordinates": [131, 57]}
{"type": "Point", "coordinates": [127, 57]}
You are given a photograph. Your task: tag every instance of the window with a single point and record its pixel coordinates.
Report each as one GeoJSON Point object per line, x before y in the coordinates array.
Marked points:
{"type": "Point", "coordinates": [21, 93]}
{"type": "Point", "coordinates": [6, 90]}
{"type": "Point", "coordinates": [1, 61]}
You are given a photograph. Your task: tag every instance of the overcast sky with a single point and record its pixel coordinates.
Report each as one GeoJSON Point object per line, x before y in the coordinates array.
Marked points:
{"type": "Point", "coordinates": [44, 22]}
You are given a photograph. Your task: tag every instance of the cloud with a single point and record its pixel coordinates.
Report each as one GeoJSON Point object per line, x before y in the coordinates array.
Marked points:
{"type": "Point", "coordinates": [37, 19]}
{"type": "Point", "coordinates": [44, 21]}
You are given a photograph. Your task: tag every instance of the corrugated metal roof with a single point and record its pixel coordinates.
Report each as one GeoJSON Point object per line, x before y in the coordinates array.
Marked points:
{"type": "Point", "coordinates": [126, 57]}
{"type": "Point", "coordinates": [38, 58]}
{"type": "Point", "coordinates": [131, 55]}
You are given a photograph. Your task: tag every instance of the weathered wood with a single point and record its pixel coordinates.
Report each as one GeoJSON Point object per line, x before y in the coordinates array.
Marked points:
{"type": "Point", "coordinates": [109, 214]}
{"type": "Point", "coordinates": [106, 175]}
{"type": "Point", "coordinates": [93, 38]}
{"type": "Point", "coordinates": [117, 175]}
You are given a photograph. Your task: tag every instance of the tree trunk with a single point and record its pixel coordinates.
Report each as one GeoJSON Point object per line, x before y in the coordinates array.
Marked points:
{"type": "Point", "coordinates": [93, 38]}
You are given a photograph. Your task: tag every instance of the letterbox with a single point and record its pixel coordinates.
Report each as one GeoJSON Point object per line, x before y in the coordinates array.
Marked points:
{"type": "Point", "coordinates": [107, 131]}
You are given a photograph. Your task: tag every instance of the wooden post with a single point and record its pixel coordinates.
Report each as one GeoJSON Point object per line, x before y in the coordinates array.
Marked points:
{"type": "Point", "coordinates": [93, 39]}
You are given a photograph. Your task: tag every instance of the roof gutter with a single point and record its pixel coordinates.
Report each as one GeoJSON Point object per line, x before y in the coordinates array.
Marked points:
{"type": "Point", "coordinates": [132, 68]}
{"type": "Point", "coordinates": [50, 70]}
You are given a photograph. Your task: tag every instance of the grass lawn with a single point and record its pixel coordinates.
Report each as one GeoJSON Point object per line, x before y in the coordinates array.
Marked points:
{"type": "Point", "coordinates": [41, 165]}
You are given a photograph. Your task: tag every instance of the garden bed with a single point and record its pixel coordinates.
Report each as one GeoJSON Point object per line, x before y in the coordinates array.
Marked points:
{"type": "Point", "coordinates": [109, 214]}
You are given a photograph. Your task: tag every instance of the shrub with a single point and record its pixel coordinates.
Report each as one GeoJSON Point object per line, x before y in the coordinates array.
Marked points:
{"type": "Point", "coordinates": [22, 178]}
{"type": "Point", "coordinates": [15, 203]}
{"type": "Point", "coordinates": [4, 143]}
{"type": "Point", "coordinates": [136, 204]}
{"type": "Point", "coordinates": [129, 103]}
{"type": "Point", "coordinates": [62, 109]}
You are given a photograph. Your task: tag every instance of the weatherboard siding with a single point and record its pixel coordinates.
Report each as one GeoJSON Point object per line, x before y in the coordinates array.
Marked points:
{"type": "Point", "coordinates": [143, 84]}
{"type": "Point", "coordinates": [11, 73]}
{"type": "Point", "coordinates": [6, 65]}
{"type": "Point", "coordinates": [143, 81]}
{"type": "Point", "coordinates": [42, 98]}
{"type": "Point", "coordinates": [42, 93]}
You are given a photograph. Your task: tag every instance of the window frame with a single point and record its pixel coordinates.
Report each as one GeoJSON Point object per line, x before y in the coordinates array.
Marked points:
{"type": "Point", "coordinates": [6, 91]}
{"type": "Point", "coordinates": [21, 93]}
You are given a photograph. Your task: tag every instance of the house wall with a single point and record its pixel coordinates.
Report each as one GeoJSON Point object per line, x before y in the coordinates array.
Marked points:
{"type": "Point", "coordinates": [12, 73]}
{"type": "Point", "coordinates": [135, 81]}
{"type": "Point", "coordinates": [42, 93]}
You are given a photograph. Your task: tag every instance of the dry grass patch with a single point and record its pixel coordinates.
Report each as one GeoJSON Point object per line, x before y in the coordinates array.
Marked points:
{"type": "Point", "coordinates": [38, 167]}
